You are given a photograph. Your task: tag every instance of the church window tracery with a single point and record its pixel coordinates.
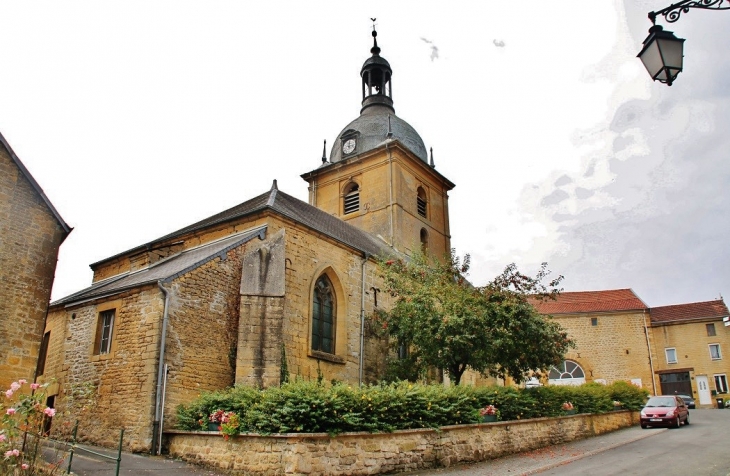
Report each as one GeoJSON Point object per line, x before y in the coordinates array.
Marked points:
{"type": "Point", "coordinates": [323, 316]}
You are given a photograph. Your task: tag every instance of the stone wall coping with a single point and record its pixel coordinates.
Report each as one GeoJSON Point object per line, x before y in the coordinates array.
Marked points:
{"type": "Point", "coordinates": [396, 432]}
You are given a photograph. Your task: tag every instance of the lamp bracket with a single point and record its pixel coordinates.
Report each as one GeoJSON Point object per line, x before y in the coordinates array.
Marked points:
{"type": "Point", "coordinates": [672, 13]}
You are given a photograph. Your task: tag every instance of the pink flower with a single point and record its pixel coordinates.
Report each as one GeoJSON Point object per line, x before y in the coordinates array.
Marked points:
{"type": "Point", "coordinates": [35, 386]}
{"type": "Point", "coordinates": [3, 438]}
{"type": "Point", "coordinates": [50, 412]}
{"type": "Point", "coordinates": [9, 393]}
{"type": "Point", "coordinates": [22, 381]}
{"type": "Point", "coordinates": [14, 386]}
{"type": "Point", "coordinates": [10, 453]}
{"type": "Point", "coordinates": [10, 411]}
{"type": "Point", "coordinates": [25, 466]}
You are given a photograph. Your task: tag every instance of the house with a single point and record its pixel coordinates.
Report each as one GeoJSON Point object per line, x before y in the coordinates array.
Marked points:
{"type": "Point", "coordinates": [610, 329]}
{"type": "Point", "coordinates": [690, 342]}
{"type": "Point", "coordinates": [225, 300]}
{"type": "Point", "coordinates": [667, 349]}
{"type": "Point", "coordinates": [31, 232]}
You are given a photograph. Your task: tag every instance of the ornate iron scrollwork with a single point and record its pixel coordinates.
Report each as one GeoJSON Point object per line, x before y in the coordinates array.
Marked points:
{"type": "Point", "coordinates": [672, 13]}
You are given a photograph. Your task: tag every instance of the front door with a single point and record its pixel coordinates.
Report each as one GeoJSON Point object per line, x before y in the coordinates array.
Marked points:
{"type": "Point", "coordinates": [703, 389]}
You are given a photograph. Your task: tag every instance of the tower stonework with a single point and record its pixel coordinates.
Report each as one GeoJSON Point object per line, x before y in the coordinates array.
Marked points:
{"type": "Point", "coordinates": [378, 176]}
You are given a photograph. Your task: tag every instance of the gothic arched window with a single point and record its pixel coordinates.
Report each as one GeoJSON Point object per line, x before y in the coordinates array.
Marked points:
{"type": "Point", "coordinates": [323, 316]}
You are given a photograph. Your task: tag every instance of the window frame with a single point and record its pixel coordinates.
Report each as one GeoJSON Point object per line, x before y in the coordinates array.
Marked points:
{"type": "Point", "coordinates": [43, 354]}
{"type": "Point", "coordinates": [422, 202]}
{"type": "Point", "coordinates": [666, 355]}
{"type": "Point", "coordinates": [351, 199]}
{"type": "Point", "coordinates": [719, 351]}
{"type": "Point", "coordinates": [102, 342]}
{"type": "Point", "coordinates": [722, 379]}
{"type": "Point", "coordinates": [318, 323]}
{"type": "Point", "coordinates": [711, 331]}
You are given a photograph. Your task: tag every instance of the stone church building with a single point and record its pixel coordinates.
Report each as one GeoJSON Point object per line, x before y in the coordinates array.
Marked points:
{"type": "Point", "coordinates": [224, 300]}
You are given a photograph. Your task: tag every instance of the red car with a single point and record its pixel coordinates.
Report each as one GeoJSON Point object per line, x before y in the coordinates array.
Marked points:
{"type": "Point", "coordinates": [664, 410]}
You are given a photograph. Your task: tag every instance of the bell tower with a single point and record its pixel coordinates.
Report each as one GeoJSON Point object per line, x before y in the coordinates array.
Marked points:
{"type": "Point", "coordinates": [379, 177]}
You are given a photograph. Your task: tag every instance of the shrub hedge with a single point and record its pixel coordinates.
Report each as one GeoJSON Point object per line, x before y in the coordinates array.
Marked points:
{"type": "Point", "coordinates": [310, 407]}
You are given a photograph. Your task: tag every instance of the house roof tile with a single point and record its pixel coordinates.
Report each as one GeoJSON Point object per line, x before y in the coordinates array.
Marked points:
{"type": "Point", "coordinates": [689, 312]}
{"type": "Point", "coordinates": [591, 301]}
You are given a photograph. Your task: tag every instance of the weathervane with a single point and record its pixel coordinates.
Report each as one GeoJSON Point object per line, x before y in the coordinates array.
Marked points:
{"type": "Point", "coordinates": [373, 19]}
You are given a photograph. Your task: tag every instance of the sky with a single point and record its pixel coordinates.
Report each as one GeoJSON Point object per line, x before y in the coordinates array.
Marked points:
{"type": "Point", "coordinates": [138, 118]}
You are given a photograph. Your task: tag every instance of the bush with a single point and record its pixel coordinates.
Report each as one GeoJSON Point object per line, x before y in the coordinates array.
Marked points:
{"type": "Point", "coordinates": [310, 407]}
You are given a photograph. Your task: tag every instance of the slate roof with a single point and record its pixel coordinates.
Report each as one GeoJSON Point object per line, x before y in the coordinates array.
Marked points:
{"type": "Point", "coordinates": [591, 301]}
{"type": "Point", "coordinates": [290, 207]}
{"type": "Point", "coordinates": [67, 229]}
{"type": "Point", "coordinates": [164, 270]}
{"type": "Point", "coordinates": [688, 312]}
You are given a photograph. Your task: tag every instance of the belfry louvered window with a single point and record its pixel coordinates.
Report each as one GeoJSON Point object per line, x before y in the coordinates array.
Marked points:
{"type": "Point", "coordinates": [323, 316]}
{"type": "Point", "coordinates": [352, 199]}
{"type": "Point", "coordinates": [421, 202]}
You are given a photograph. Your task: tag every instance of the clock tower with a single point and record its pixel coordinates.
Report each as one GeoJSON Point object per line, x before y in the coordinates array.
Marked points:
{"type": "Point", "coordinates": [378, 176]}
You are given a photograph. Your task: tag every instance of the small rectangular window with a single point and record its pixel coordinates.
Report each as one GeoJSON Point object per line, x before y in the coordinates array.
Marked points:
{"type": "Point", "coordinates": [104, 330]}
{"type": "Point", "coordinates": [721, 383]}
{"type": "Point", "coordinates": [594, 321]}
{"type": "Point", "coordinates": [715, 352]}
{"type": "Point", "coordinates": [671, 355]}
{"type": "Point", "coordinates": [43, 353]}
{"type": "Point", "coordinates": [711, 329]}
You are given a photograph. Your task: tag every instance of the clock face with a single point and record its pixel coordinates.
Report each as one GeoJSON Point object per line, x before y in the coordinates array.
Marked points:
{"type": "Point", "coordinates": [348, 146]}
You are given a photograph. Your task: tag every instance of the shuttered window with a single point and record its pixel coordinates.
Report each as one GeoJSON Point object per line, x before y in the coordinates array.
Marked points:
{"type": "Point", "coordinates": [421, 202]}
{"type": "Point", "coordinates": [352, 200]}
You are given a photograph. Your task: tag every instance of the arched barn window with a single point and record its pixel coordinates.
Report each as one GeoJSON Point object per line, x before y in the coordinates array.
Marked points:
{"type": "Point", "coordinates": [567, 373]}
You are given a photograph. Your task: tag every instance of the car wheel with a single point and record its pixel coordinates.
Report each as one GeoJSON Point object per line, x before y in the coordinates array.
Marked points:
{"type": "Point", "coordinates": [677, 422]}
{"type": "Point", "coordinates": [644, 425]}
{"type": "Point", "coordinates": [686, 420]}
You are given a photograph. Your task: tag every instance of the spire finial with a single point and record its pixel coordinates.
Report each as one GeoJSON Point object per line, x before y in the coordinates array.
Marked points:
{"type": "Point", "coordinates": [324, 152]}
{"type": "Point", "coordinates": [375, 50]}
{"type": "Point", "coordinates": [432, 164]}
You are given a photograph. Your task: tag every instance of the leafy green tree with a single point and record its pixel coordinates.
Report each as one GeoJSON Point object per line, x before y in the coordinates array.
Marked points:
{"type": "Point", "coordinates": [449, 324]}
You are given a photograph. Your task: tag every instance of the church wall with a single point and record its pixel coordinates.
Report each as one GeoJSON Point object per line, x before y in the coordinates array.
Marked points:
{"type": "Point", "coordinates": [30, 237]}
{"type": "Point", "coordinates": [614, 349]}
{"type": "Point", "coordinates": [124, 378]}
{"type": "Point", "coordinates": [202, 330]}
{"type": "Point", "coordinates": [308, 255]}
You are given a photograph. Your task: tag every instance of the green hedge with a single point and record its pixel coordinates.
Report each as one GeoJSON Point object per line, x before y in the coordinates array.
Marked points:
{"type": "Point", "coordinates": [309, 407]}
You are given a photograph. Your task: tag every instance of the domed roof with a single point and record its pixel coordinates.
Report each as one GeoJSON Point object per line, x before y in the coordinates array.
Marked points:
{"type": "Point", "coordinates": [370, 131]}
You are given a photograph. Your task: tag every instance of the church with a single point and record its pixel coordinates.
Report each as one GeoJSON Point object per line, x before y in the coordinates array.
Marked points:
{"type": "Point", "coordinates": [274, 280]}
{"type": "Point", "coordinates": [226, 300]}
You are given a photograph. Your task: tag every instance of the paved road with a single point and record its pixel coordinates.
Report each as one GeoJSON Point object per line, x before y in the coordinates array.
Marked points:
{"type": "Point", "coordinates": [698, 449]}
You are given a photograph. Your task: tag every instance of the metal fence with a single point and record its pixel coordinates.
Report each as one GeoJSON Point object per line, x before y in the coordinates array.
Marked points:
{"type": "Point", "coordinates": [74, 447]}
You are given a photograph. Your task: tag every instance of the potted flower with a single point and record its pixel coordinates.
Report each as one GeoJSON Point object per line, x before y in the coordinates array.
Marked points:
{"type": "Point", "coordinates": [488, 413]}
{"type": "Point", "coordinates": [568, 408]}
{"type": "Point", "coordinates": [218, 418]}
{"type": "Point", "coordinates": [617, 405]}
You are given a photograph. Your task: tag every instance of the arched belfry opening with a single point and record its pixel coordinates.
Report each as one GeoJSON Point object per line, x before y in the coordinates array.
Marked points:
{"type": "Point", "coordinates": [376, 79]}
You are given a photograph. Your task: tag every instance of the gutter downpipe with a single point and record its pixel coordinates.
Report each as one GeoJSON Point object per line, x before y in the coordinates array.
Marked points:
{"type": "Point", "coordinates": [651, 360]}
{"type": "Point", "coordinates": [365, 258]}
{"type": "Point", "coordinates": [390, 191]}
{"type": "Point", "coordinates": [157, 424]}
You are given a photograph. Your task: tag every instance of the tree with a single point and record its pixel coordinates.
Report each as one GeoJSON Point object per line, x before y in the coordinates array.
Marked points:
{"type": "Point", "coordinates": [447, 323]}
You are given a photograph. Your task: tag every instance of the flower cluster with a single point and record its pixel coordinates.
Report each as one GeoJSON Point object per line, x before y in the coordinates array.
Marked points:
{"type": "Point", "coordinates": [219, 416]}
{"type": "Point", "coordinates": [488, 410]}
{"type": "Point", "coordinates": [22, 414]}
{"type": "Point", "coordinates": [616, 403]}
{"type": "Point", "coordinates": [567, 406]}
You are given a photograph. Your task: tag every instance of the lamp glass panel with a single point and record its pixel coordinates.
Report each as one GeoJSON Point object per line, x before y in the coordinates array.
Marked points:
{"type": "Point", "coordinates": [652, 59]}
{"type": "Point", "coordinates": [671, 52]}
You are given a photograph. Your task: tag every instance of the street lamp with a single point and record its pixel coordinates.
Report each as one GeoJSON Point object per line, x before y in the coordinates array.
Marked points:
{"type": "Point", "coordinates": [662, 53]}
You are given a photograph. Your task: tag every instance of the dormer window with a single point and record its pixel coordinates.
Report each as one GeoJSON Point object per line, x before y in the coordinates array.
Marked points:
{"type": "Point", "coordinates": [421, 203]}
{"type": "Point", "coordinates": [352, 199]}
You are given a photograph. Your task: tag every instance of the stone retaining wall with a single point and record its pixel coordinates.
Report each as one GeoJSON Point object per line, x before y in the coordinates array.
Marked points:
{"type": "Point", "coordinates": [366, 453]}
